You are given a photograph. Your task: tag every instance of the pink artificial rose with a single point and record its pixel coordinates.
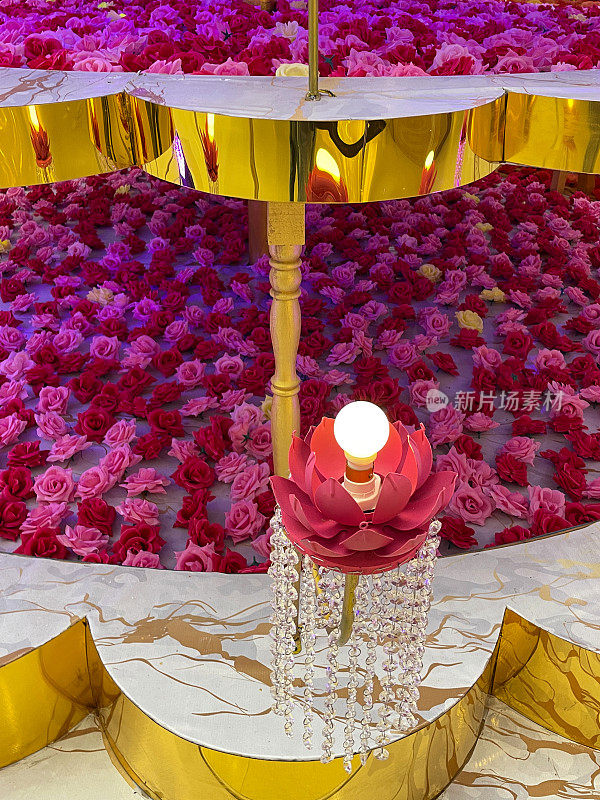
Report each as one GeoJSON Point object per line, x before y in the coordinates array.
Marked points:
{"type": "Point", "coordinates": [262, 544]}
{"type": "Point", "coordinates": [592, 342]}
{"type": "Point", "coordinates": [94, 482]}
{"type": "Point", "coordinates": [135, 509]}
{"type": "Point", "coordinates": [511, 503]}
{"type": "Point", "coordinates": [486, 358]}
{"type": "Point", "coordinates": [106, 347]}
{"type": "Point", "coordinates": [16, 365]}
{"type": "Point", "coordinates": [470, 504]}
{"type": "Point", "coordinates": [65, 447]}
{"type": "Point", "coordinates": [198, 559]}
{"type": "Point", "coordinates": [420, 390]}
{"type": "Point", "coordinates": [403, 355]}
{"type": "Point", "coordinates": [592, 490]}
{"type": "Point", "coordinates": [243, 520]}
{"type": "Point", "coordinates": [11, 427]}
{"type": "Point", "coordinates": [522, 448]}
{"type": "Point", "coordinates": [11, 339]}
{"type": "Point", "coordinates": [55, 485]}
{"type": "Point", "coordinates": [122, 432]}
{"type": "Point", "coordinates": [229, 466]}
{"type": "Point", "coordinates": [550, 359]}
{"type": "Point", "coordinates": [190, 373]}
{"type": "Point", "coordinates": [259, 444]}
{"type": "Point", "coordinates": [551, 501]}
{"type": "Point", "coordinates": [83, 540]}
{"type": "Point", "coordinates": [445, 426]}
{"type": "Point", "coordinates": [434, 321]}
{"type": "Point", "coordinates": [229, 365]}
{"type": "Point", "coordinates": [146, 479]}
{"type": "Point", "coordinates": [54, 398]}
{"type": "Point", "coordinates": [181, 450]}
{"type": "Point", "coordinates": [479, 421]}
{"type": "Point", "coordinates": [252, 481]}
{"type": "Point", "coordinates": [50, 425]}
{"type": "Point", "coordinates": [118, 460]}
{"type": "Point", "coordinates": [46, 515]}
{"type": "Point", "coordinates": [142, 559]}
{"type": "Point", "coordinates": [591, 394]}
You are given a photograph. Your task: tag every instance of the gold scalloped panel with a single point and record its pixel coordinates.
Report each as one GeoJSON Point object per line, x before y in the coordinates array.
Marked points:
{"type": "Point", "coordinates": [46, 691]}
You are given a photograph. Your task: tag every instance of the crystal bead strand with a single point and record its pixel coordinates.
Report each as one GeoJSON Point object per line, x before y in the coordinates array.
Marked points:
{"type": "Point", "coordinates": [353, 661]}
{"type": "Point", "coordinates": [335, 601]}
{"type": "Point", "coordinates": [277, 574]}
{"type": "Point", "coordinates": [419, 590]}
{"type": "Point", "coordinates": [369, 627]}
{"type": "Point", "coordinates": [386, 707]}
{"type": "Point", "coordinates": [289, 626]}
{"type": "Point", "coordinates": [308, 642]}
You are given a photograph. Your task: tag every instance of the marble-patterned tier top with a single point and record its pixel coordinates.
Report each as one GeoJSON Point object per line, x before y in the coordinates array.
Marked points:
{"type": "Point", "coordinates": [283, 98]}
{"type": "Point", "coordinates": [192, 649]}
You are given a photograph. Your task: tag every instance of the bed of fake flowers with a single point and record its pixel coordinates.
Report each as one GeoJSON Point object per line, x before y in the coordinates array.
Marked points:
{"type": "Point", "coordinates": [373, 37]}
{"type": "Point", "coordinates": [135, 359]}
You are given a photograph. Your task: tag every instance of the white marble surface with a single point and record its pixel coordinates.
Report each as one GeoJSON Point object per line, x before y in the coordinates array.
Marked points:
{"type": "Point", "coordinates": [192, 650]}
{"type": "Point", "coordinates": [76, 767]}
{"type": "Point", "coordinates": [515, 759]}
{"type": "Point", "coordinates": [283, 97]}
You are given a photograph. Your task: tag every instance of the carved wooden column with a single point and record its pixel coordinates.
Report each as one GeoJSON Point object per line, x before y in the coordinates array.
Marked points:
{"type": "Point", "coordinates": [285, 233]}
{"type": "Point", "coordinates": [257, 230]}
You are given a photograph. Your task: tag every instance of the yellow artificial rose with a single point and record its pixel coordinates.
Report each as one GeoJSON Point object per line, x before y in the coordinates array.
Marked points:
{"type": "Point", "coordinates": [266, 406]}
{"type": "Point", "coordinates": [484, 227]}
{"type": "Point", "coordinates": [123, 189]}
{"type": "Point", "coordinates": [431, 272]}
{"type": "Point", "coordinates": [4, 245]}
{"type": "Point", "coordinates": [470, 320]}
{"type": "Point", "coordinates": [495, 295]}
{"type": "Point", "coordinates": [292, 70]}
{"type": "Point", "coordinates": [101, 296]}
{"type": "Point", "coordinates": [472, 197]}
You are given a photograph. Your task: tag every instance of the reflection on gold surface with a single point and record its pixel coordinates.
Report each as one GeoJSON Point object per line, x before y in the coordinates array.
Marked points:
{"type": "Point", "coordinates": [279, 160]}
{"type": "Point", "coordinates": [45, 692]}
{"type": "Point", "coordinates": [553, 132]}
{"type": "Point", "coordinates": [549, 680]}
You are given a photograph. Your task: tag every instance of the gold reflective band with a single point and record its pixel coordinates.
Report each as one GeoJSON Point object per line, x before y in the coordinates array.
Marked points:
{"type": "Point", "coordinates": [46, 691]}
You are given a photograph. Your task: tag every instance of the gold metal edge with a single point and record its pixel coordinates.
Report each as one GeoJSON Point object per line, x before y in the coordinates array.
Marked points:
{"type": "Point", "coordinates": [343, 161]}
{"type": "Point", "coordinates": [544, 677]}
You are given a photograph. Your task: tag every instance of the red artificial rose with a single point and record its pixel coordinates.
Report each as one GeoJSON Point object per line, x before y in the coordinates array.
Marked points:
{"type": "Point", "coordinates": [136, 538]}
{"type": "Point", "coordinates": [566, 423]}
{"type": "Point", "coordinates": [232, 562]}
{"type": "Point", "coordinates": [27, 454]}
{"type": "Point", "coordinates": [211, 440]}
{"type": "Point", "coordinates": [467, 339]}
{"type": "Point", "coordinates": [166, 422]}
{"type": "Point", "coordinates": [94, 423]}
{"type": "Point", "coordinates": [580, 514]}
{"type": "Point", "coordinates": [194, 474]}
{"type": "Point", "coordinates": [419, 371]}
{"type": "Point", "coordinates": [586, 445]}
{"type": "Point", "coordinates": [167, 361]}
{"type": "Point", "coordinates": [455, 531]}
{"type": "Point", "coordinates": [16, 483]}
{"type": "Point", "coordinates": [163, 394]}
{"type": "Point", "coordinates": [135, 381]}
{"type": "Point", "coordinates": [12, 516]}
{"type": "Point", "coordinates": [266, 503]}
{"type": "Point", "coordinates": [543, 523]}
{"type": "Point", "coordinates": [151, 445]}
{"type": "Point", "coordinates": [445, 362]}
{"type": "Point", "coordinates": [469, 447]}
{"type": "Point", "coordinates": [202, 532]}
{"type": "Point", "coordinates": [571, 480]}
{"type": "Point", "coordinates": [85, 386]}
{"type": "Point", "coordinates": [43, 544]}
{"type": "Point", "coordinates": [511, 469]}
{"type": "Point", "coordinates": [513, 534]}
{"type": "Point", "coordinates": [96, 513]}
{"type": "Point", "coordinates": [524, 426]}
{"type": "Point", "coordinates": [109, 398]}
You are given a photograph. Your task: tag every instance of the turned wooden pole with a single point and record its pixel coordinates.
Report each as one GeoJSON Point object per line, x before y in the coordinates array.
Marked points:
{"type": "Point", "coordinates": [285, 233]}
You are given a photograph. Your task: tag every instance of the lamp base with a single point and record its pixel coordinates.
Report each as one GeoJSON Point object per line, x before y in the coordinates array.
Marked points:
{"type": "Point", "coordinates": [366, 493]}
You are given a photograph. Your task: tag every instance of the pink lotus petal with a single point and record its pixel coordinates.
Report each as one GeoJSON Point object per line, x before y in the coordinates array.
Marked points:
{"type": "Point", "coordinates": [423, 453]}
{"type": "Point", "coordinates": [366, 539]}
{"type": "Point", "coordinates": [331, 460]}
{"type": "Point", "coordinates": [335, 502]}
{"type": "Point", "coordinates": [299, 454]}
{"type": "Point", "coordinates": [387, 458]}
{"type": "Point", "coordinates": [393, 497]}
{"type": "Point", "coordinates": [426, 503]}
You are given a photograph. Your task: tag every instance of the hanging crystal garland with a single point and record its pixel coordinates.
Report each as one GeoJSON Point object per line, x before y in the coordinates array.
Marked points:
{"type": "Point", "coordinates": [354, 547]}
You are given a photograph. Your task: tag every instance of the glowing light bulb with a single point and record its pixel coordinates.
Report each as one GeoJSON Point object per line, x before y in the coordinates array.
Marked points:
{"type": "Point", "coordinates": [361, 429]}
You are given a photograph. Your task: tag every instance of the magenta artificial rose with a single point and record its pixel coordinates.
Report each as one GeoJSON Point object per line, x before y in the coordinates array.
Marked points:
{"type": "Point", "coordinates": [83, 540]}
{"type": "Point", "coordinates": [243, 520]}
{"type": "Point", "coordinates": [198, 559]}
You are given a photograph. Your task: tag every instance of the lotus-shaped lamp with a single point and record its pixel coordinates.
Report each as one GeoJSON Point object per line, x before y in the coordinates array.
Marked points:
{"type": "Point", "coordinates": [323, 519]}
